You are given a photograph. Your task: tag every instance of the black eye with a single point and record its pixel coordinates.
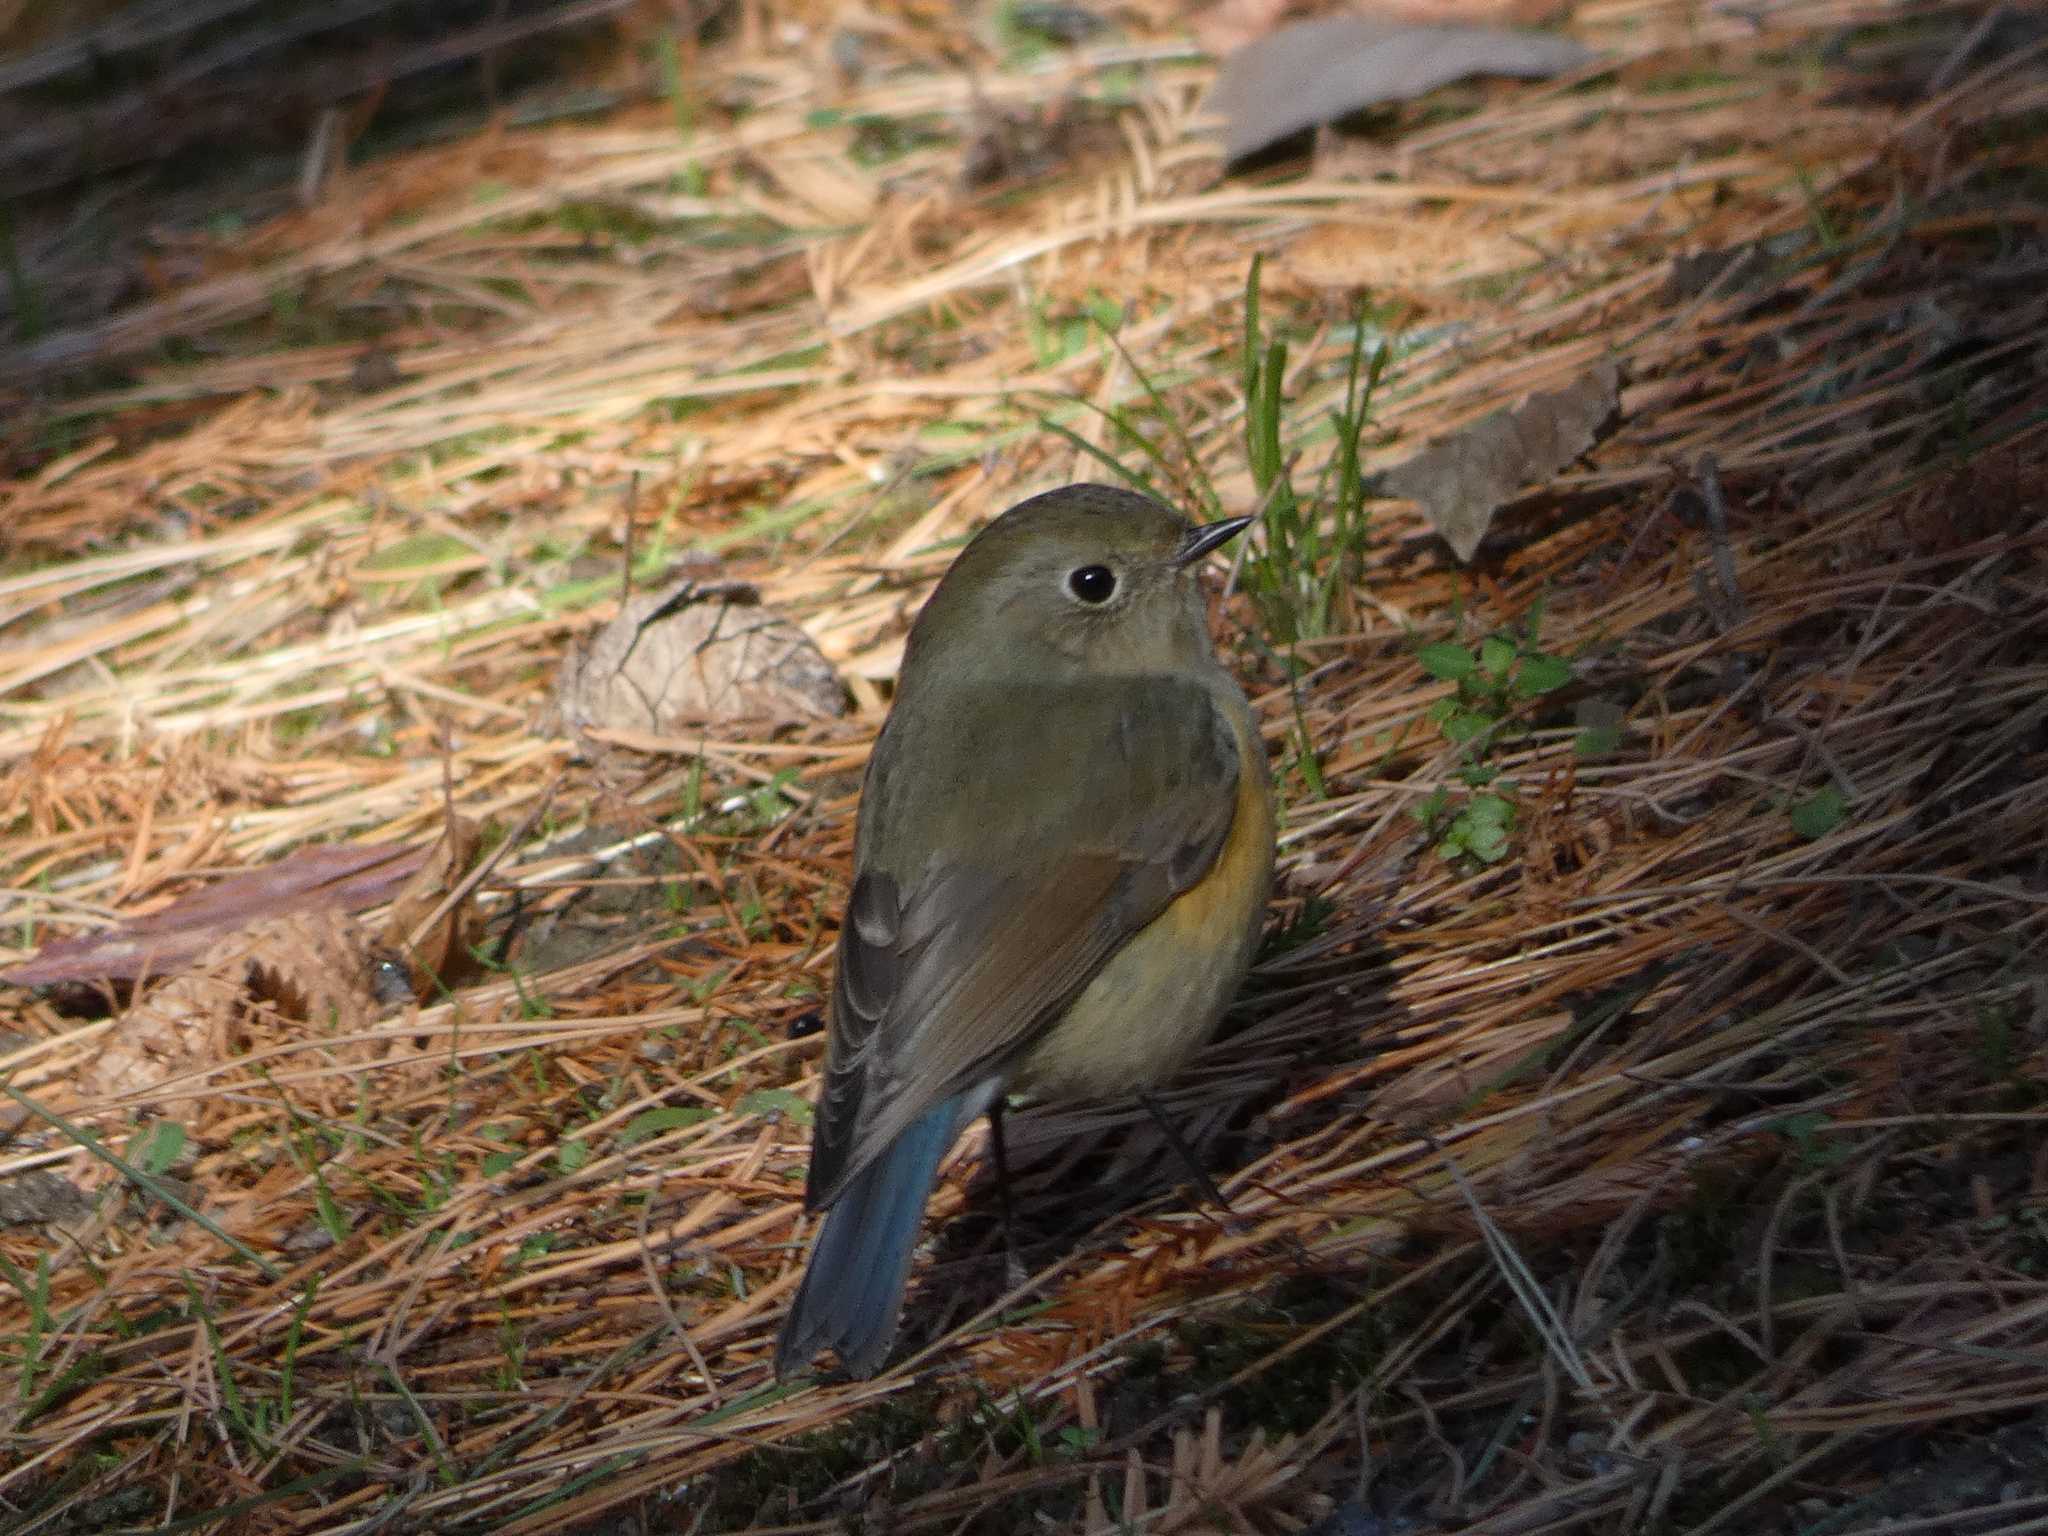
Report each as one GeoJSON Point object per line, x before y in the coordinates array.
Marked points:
{"type": "Point", "coordinates": [1093, 583]}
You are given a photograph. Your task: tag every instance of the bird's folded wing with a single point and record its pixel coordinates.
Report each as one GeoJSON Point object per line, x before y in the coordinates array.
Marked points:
{"type": "Point", "coordinates": [1005, 859]}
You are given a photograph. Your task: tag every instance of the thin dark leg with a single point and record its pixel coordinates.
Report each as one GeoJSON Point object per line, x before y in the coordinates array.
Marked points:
{"type": "Point", "coordinates": [1000, 1153]}
{"type": "Point", "coordinates": [1195, 1170]}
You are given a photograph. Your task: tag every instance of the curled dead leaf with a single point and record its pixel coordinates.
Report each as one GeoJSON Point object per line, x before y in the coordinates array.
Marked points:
{"type": "Point", "coordinates": [426, 933]}
{"type": "Point", "coordinates": [323, 878]}
{"type": "Point", "coordinates": [696, 653]}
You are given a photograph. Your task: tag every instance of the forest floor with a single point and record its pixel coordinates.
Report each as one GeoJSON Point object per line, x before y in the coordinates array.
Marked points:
{"type": "Point", "coordinates": [1634, 1122]}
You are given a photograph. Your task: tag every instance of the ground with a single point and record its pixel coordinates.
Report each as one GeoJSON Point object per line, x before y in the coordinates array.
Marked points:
{"type": "Point", "coordinates": [1633, 1122]}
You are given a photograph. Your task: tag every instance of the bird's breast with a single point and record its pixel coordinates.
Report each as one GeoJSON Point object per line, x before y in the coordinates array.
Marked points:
{"type": "Point", "coordinates": [1160, 996]}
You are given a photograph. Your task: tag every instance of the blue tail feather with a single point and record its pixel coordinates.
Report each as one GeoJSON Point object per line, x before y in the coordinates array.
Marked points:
{"type": "Point", "coordinates": [852, 1292]}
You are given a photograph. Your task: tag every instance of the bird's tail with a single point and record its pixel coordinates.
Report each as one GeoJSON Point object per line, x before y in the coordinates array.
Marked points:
{"type": "Point", "coordinates": [852, 1291]}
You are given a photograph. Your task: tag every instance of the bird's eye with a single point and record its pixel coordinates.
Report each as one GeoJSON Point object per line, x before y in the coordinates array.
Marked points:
{"type": "Point", "coordinates": [1093, 583]}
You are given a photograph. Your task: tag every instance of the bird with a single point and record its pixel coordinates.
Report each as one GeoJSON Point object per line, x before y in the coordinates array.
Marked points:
{"type": "Point", "coordinates": [1063, 853]}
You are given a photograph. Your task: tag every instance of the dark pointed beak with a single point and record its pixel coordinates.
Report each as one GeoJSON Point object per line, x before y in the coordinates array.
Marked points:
{"type": "Point", "coordinates": [1200, 540]}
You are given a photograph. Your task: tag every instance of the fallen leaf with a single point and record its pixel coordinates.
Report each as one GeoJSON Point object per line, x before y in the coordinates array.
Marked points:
{"type": "Point", "coordinates": [327, 878]}
{"type": "Point", "coordinates": [439, 953]}
{"type": "Point", "coordinates": [1462, 481]}
{"type": "Point", "coordinates": [1311, 72]}
{"type": "Point", "coordinates": [696, 653]}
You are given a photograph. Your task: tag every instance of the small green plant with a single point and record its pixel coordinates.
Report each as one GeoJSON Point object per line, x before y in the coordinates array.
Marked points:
{"type": "Point", "coordinates": [156, 1146]}
{"type": "Point", "coordinates": [771, 802]}
{"type": "Point", "coordinates": [313, 1148]}
{"type": "Point", "coordinates": [288, 1369]}
{"type": "Point", "coordinates": [495, 1165]}
{"type": "Point", "coordinates": [141, 1178]}
{"type": "Point", "coordinates": [532, 1004]}
{"type": "Point", "coordinates": [1814, 818]}
{"type": "Point", "coordinates": [256, 1418]}
{"type": "Point", "coordinates": [36, 1293]}
{"type": "Point", "coordinates": [1480, 825]}
{"type": "Point", "coordinates": [776, 1101]}
{"type": "Point", "coordinates": [1310, 921]}
{"type": "Point", "coordinates": [1058, 334]}
{"type": "Point", "coordinates": [1492, 687]}
{"type": "Point", "coordinates": [512, 1360]}
{"type": "Point", "coordinates": [1077, 1440]}
{"type": "Point", "coordinates": [1314, 551]}
{"type": "Point", "coordinates": [1302, 573]}
{"type": "Point", "coordinates": [1804, 1131]}
{"type": "Point", "coordinates": [658, 1122]}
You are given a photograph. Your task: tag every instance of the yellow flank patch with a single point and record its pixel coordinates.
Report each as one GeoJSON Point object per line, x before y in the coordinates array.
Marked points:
{"type": "Point", "coordinates": [1219, 902]}
{"type": "Point", "coordinates": [1159, 997]}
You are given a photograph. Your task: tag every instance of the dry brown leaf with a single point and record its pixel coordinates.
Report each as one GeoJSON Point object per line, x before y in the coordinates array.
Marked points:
{"type": "Point", "coordinates": [696, 654]}
{"type": "Point", "coordinates": [1312, 72]}
{"type": "Point", "coordinates": [1462, 481]}
{"type": "Point", "coordinates": [327, 878]}
{"type": "Point", "coordinates": [441, 951]}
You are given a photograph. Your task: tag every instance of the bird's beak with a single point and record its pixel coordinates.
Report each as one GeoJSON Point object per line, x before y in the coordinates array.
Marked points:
{"type": "Point", "coordinates": [1207, 536]}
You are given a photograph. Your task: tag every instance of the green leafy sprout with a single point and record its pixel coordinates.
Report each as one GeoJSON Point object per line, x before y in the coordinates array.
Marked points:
{"type": "Point", "coordinates": [1493, 684]}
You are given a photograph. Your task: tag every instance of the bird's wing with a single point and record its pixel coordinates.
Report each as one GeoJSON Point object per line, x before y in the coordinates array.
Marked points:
{"type": "Point", "coordinates": [1007, 851]}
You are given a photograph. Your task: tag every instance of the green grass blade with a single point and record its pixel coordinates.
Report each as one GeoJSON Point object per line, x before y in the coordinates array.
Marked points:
{"type": "Point", "coordinates": [143, 1181]}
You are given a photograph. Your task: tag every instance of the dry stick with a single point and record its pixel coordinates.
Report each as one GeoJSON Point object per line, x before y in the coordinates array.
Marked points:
{"type": "Point", "coordinates": [668, 1305]}
{"type": "Point", "coordinates": [1730, 611]}
{"type": "Point", "coordinates": [1556, 1337]}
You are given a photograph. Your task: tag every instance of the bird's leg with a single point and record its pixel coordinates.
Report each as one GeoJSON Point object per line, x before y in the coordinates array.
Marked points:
{"type": "Point", "coordinates": [1203, 1182]}
{"type": "Point", "coordinates": [1014, 1271]}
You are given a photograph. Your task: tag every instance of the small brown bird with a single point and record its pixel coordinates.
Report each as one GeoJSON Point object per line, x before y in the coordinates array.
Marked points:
{"type": "Point", "coordinates": [1064, 851]}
